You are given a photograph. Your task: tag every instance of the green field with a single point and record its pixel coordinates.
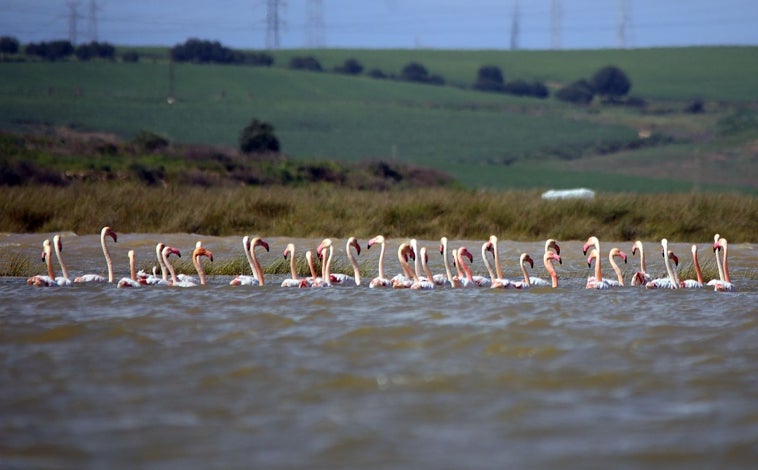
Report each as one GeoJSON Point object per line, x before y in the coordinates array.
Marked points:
{"type": "Point", "coordinates": [485, 140]}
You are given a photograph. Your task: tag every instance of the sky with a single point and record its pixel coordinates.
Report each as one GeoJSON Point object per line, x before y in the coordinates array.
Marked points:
{"type": "Point", "coordinates": [390, 24]}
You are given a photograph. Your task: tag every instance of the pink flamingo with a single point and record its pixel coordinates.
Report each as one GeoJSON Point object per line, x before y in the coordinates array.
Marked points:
{"type": "Point", "coordinates": [49, 279]}
{"type": "Point", "coordinates": [547, 260]}
{"type": "Point", "coordinates": [105, 232]}
{"type": "Point", "coordinates": [326, 265]}
{"type": "Point", "coordinates": [132, 280]}
{"type": "Point", "coordinates": [198, 252]}
{"type": "Point", "coordinates": [724, 284]}
{"type": "Point", "coordinates": [405, 251]}
{"type": "Point", "coordinates": [379, 280]}
{"type": "Point", "coordinates": [448, 277]}
{"type": "Point", "coordinates": [465, 277]}
{"type": "Point", "coordinates": [257, 278]}
{"type": "Point", "coordinates": [693, 283]}
{"type": "Point", "coordinates": [339, 278]}
{"type": "Point", "coordinates": [671, 281]}
{"type": "Point", "coordinates": [425, 282]}
{"type": "Point", "coordinates": [641, 277]}
{"type": "Point", "coordinates": [294, 281]}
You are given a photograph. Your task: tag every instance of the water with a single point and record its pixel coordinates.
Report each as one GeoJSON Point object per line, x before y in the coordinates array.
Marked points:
{"type": "Point", "coordinates": [236, 377]}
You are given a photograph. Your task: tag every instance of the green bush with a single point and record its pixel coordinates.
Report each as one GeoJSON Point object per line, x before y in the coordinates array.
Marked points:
{"type": "Point", "coordinates": [258, 137]}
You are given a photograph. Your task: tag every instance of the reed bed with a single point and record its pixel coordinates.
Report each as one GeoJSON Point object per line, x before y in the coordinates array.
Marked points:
{"type": "Point", "coordinates": [327, 210]}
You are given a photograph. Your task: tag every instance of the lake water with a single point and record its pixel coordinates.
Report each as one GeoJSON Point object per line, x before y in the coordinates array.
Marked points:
{"type": "Point", "coordinates": [350, 377]}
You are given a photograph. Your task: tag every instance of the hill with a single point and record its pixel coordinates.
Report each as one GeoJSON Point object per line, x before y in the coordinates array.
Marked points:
{"type": "Point", "coordinates": [484, 140]}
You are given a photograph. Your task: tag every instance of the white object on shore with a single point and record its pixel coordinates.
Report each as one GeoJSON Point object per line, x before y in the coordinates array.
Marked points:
{"type": "Point", "coordinates": [578, 193]}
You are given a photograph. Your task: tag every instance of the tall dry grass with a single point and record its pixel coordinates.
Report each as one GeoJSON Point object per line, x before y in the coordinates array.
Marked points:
{"type": "Point", "coordinates": [326, 210]}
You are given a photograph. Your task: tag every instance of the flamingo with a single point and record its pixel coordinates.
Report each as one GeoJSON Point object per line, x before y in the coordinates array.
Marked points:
{"type": "Point", "coordinates": [130, 281]}
{"type": "Point", "coordinates": [671, 281]}
{"type": "Point", "coordinates": [312, 267]}
{"type": "Point", "coordinates": [615, 252]}
{"type": "Point", "coordinates": [326, 266]}
{"type": "Point", "coordinates": [425, 282]}
{"type": "Point", "coordinates": [716, 250]}
{"type": "Point", "coordinates": [596, 281]}
{"type": "Point", "coordinates": [63, 280]}
{"type": "Point", "coordinates": [294, 281]}
{"type": "Point", "coordinates": [526, 283]}
{"type": "Point", "coordinates": [165, 253]}
{"type": "Point", "coordinates": [154, 279]}
{"type": "Point", "coordinates": [479, 280]}
{"type": "Point", "coordinates": [379, 280]}
{"type": "Point", "coordinates": [49, 279]}
{"type": "Point", "coordinates": [692, 283]}
{"type": "Point", "coordinates": [641, 277]}
{"type": "Point", "coordinates": [448, 277]}
{"type": "Point", "coordinates": [257, 278]}
{"type": "Point", "coordinates": [196, 254]}
{"type": "Point", "coordinates": [405, 251]}
{"type": "Point", "coordinates": [465, 277]}
{"type": "Point", "coordinates": [725, 284]}
{"type": "Point", "coordinates": [339, 278]}
{"type": "Point", "coordinates": [105, 232]}
{"type": "Point", "coordinates": [547, 260]}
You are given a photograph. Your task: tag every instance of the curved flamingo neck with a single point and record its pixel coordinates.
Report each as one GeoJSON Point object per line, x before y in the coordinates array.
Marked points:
{"type": "Point", "coordinates": [496, 257]}
{"type": "Point", "coordinates": [199, 268]}
{"type": "Point", "coordinates": [169, 265]}
{"type": "Point", "coordinates": [486, 261]}
{"type": "Point", "coordinates": [615, 267]}
{"type": "Point", "coordinates": [48, 251]}
{"type": "Point", "coordinates": [698, 271]}
{"type": "Point", "coordinates": [417, 260]}
{"type": "Point", "coordinates": [164, 272]}
{"type": "Point", "coordinates": [527, 281]}
{"type": "Point", "coordinates": [58, 255]}
{"type": "Point", "coordinates": [667, 263]}
{"type": "Point", "coordinates": [257, 271]}
{"type": "Point", "coordinates": [445, 261]}
{"type": "Point", "coordinates": [425, 265]}
{"type": "Point", "coordinates": [106, 254]}
{"type": "Point", "coordinates": [401, 256]}
{"type": "Point", "coordinates": [293, 269]}
{"type": "Point", "coordinates": [353, 262]}
{"type": "Point", "coordinates": [464, 267]}
{"type": "Point", "coordinates": [381, 259]}
{"type": "Point", "coordinates": [132, 268]}
{"type": "Point", "coordinates": [327, 268]}
{"type": "Point", "coordinates": [311, 266]}
{"type": "Point", "coordinates": [724, 244]}
{"type": "Point", "coordinates": [598, 269]}
{"type": "Point", "coordinates": [248, 248]}
{"type": "Point", "coordinates": [548, 262]}
{"type": "Point", "coordinates": [642, 257]}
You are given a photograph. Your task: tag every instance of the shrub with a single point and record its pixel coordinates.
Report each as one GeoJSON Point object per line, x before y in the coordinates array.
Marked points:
{"type": "Point", "coordinates": [8, 45]}
{"type": "Point", "coordinates": [579, 92]}
{"type": "Point", "coordinates": [130, 56]}
{"type": "Point", "coordinates": [490, 78]}
{"type": "Point", "coordinates": [305, 63]}
{"type": "Point", "coordinates": [611, 81]}
{"type": "Point", "coordinates": [150, 142]}
{"type": "Point", "coordinates": [52, 50]}
{"type": "Point", "coordinates": [350, 67]}
{"type": "Point", "coordinates": [695, 106]}
{"type": "Point", "coordinates": [376, 73]}
{"type": "Point", "coordinates": [258, 137]}
{"type": "Point", "coordinates": [415, 72]}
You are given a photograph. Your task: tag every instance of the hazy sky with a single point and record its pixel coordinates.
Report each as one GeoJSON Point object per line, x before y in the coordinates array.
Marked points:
{"type": "Point", "coordinates": [442, 24]}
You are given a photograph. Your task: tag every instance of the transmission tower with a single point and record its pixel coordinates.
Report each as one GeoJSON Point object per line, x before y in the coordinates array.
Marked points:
{"type": "Point", "coordinates": [92, 20]}
{"type": "Point", "coordinates": [514, 26]}
{"type": "Point", "coordinates": [273, 23]}
{"type": "Point", "coordinates": [556, 23]}
{"type": "Point", "coordinates": [315, 24]}
{"type": "Point", "coordinates": [623, 23]}
{"type": "Point", "coordinates": [73, 15]}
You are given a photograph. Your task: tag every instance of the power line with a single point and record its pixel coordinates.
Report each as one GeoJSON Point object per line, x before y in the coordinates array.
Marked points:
{"type": "Point", "coordinates": [273, 23]}
{"type": "Point", "coordinates": [314, 24]}
{"type": "Point", "coordinates": [73, 15]}
{"type": "Point", "coordinates": [623, 20]}
{"type": "Point", "coordinates": [556, 23]}
{"type": "Point", "coordinates": [92, 20]}
{"type": "Point", "coordinates": [514, 26]}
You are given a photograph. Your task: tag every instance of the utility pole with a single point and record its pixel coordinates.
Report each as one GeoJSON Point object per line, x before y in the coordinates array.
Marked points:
{"type": "Point", "coordinates": [556, 23]}
{"type": "Point", "coordinates": [92, 20]}
{"type": "Point", "coordinates": [623, 23]}
{"type": "Point", "coordinates": [73, 15]}
{"type": "Point", "coordinates": [273, 22]}
{"type": "Point", "coordinates": [514, 26]}
{"type": "Point", "coordinates": [315, 24]}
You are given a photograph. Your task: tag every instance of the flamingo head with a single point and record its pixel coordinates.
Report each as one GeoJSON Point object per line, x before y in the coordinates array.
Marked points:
{"type": "Point", "coordinates": [488, 246]}
{"type": "Point", "coordinates": [525, 258]}
{"type": "Point", "coordinates": [325, 243]}
{"type": "Point", "coordinates": [352, 241]}
{"type": "Point", "coordinates": [550, 243]}
{"type": "Point", "coordinates": [170, 250]}
{"type": "Point", "coordinates": [45, 250]}
{"type": "Point", "coordinates": [107, 231]}
{"type": "Point", "coordinates": [257, 241]}
{"type": "Point", "coordinates": [463, 251]}
{"type": "Point", "coordinates": [201, 251]}
{"type": "Point", "coordinates": [549, 255]}
{"type": "Point", "coordinates": [290, 249]}
{"type": "Point", "coordinates": [673, 257]}
{"type": "Point", "coordinates": [619, 253]}
{"type": "Point", "coordinates": [592, 241]}
{"type": "Point", "coordinates": [443, 244]}
{"type": "Point", "coordinates": [374, 241]}
{"type": "Point", "coordinates": [593, 255]}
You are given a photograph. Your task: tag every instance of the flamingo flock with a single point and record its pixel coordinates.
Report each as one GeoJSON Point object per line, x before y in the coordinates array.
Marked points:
{"type": "Point", "coordinates": [413, 260]}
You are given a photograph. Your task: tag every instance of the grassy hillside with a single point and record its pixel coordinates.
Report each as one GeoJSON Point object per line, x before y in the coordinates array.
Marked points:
{"type": "Point", "coordinates": [483, 139]}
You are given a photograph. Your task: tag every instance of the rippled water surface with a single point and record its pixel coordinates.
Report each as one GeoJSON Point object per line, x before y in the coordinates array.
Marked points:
{"type": "Point", "coordinates": [351, 377]}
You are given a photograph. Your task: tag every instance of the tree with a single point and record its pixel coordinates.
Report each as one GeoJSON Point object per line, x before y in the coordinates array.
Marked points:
{"type": "Point", "coordinates": [490, 78]}
{"type": "Point", "coordinates": [611, 82]}
{"type": "Point", "coordinates": [258, 137]}
{"type": "Point", "coordinates": [305, 63]}
{"type": "Point", "coordinates": [415, 72]}
{"type": "Point", "coordinates": [8, 45]}
{"type": "Point", "coordinates": [350, 67]}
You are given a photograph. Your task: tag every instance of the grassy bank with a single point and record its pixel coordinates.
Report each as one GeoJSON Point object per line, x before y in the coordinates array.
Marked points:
{"type": "Point", "coordinates": [328, 210]}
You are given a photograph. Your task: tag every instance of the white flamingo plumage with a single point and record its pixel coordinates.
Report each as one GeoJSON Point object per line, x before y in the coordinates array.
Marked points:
{"type": "Point", "coordinates": [671, 281]}
{"type": "Point", "coordinates": [132, 280]}
{"type": "Point", "coordinates": [339, 278]}
{"type": "Point", "coordinates": [641, 277]}
{"type": "Point", "coordinates": [694, 283]}
{"type": "Point", "coordinates": [725, 283]}
{"type": "Point", "coordinates": [104, 232]}
{"type": "Point", "coordinates": [379, 280]}
{"type": "Point", "coordinates": [295, 280]}
{"type": "Point", "coordinates": [257, 278]}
